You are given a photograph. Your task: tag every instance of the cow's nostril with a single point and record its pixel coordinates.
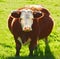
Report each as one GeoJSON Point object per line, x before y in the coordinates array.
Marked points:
{"type": "Point", "coordinates": [27, 29]}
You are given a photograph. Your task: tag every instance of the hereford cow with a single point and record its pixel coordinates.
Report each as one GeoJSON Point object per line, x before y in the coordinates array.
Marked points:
{"type": "Point", "coordinates": [32, 22]}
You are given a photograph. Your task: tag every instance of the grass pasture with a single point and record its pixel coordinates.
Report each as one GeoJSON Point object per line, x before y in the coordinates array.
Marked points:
{"type": "Point", "coordinates": [7, 44]}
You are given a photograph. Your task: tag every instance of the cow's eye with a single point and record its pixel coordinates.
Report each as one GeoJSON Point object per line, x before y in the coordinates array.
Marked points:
{"type": "Point", "coordinates": [15, 13]}
{"type": "Point", "coordinates": [37, 14]}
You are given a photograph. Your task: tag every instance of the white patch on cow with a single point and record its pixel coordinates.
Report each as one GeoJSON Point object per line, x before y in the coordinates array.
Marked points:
{"type": "Point", "coordinates": [26, 16]}
{"type": "Point", "coordinates": [12, 21]}
{"type": "Point", "coordinates": [25, 43]}
{"type": "Point", "coordinates": [19, 39]}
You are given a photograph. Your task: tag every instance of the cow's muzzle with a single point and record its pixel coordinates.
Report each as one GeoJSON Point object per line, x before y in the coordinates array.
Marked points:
{"type": "Point", "coordinates": [27, 29]}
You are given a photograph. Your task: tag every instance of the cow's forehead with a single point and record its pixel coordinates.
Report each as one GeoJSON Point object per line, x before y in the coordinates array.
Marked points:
{"type": "Point", "coordinates": [26, 13]}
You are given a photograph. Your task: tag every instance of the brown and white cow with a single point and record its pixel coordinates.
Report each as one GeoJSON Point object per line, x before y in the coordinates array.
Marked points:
{"type": "Point", "coordinates": [32, 22]}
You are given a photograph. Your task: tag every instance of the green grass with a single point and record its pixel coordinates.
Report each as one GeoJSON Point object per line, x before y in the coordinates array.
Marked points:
{"type": "Point", "coordinates": [7, 44]}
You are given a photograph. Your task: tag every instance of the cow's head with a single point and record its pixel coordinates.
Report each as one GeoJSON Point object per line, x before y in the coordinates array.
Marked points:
{"type": "Point", "coordinates": [26, 18]}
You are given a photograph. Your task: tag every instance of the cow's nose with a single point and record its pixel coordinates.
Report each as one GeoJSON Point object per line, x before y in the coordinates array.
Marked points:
{"type": "Point", "coordinates": [27, 29]}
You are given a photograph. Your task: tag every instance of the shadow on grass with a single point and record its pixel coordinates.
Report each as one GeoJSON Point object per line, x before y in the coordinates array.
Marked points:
{"type": "Point", "coordinates": [46, 55]}
{"type": "Point", "coordinates": [37, 55]}
{"type": "Point", "coordinates": [24, 57]}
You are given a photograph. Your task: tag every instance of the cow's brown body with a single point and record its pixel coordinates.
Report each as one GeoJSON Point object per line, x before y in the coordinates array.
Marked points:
{"type": "Point", "coordinates": [41, 28]}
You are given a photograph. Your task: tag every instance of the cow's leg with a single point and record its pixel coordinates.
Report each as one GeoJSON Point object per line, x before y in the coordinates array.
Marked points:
{"type": "Point", "coordinates": [46, 40]}
{"type": "Point", "coordinates": [18, 46]}
{"type": "Point", "coordinates": [32, 46]}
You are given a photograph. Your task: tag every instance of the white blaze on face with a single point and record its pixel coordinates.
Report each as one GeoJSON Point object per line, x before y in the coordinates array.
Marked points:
{"type": "Point", "coordinates": [26, 19]}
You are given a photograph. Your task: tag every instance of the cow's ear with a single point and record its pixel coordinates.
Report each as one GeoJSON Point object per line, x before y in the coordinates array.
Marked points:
{"type": "Point", "coordinates": [37, 14]}
{"type": "Point", "coordinates": [45, 11]}
{"type": "Point", "coordinates": [15, 14]}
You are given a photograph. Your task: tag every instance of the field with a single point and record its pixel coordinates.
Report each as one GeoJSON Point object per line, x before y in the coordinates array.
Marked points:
{"type": "Point", "coordinates": [7, 44]}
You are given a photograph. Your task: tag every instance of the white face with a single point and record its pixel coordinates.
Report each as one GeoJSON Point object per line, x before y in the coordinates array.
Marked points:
{"type": "Point", "coordinates": [26, 20]}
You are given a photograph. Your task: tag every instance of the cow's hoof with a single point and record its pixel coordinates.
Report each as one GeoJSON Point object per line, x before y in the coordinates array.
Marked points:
{"type": "Point", "coordinates": [17, 55]}
{"type": "Point", "coordinates": [30, 54]}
